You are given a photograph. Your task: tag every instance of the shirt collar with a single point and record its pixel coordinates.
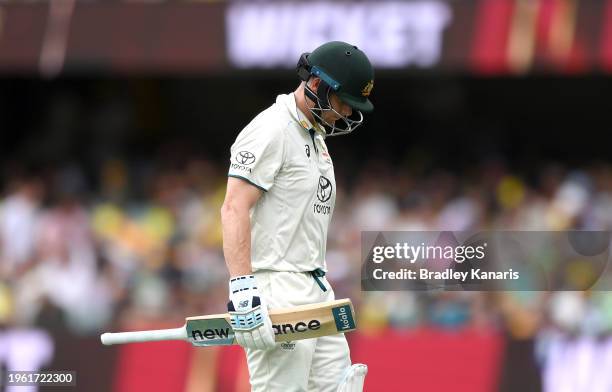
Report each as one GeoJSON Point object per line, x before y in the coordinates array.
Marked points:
{"type": "Point", "coordinates": [289, 101]}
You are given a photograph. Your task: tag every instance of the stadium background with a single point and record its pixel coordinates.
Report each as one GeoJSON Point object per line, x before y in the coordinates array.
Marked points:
{"type": "Point", "coordinates": [116, 120]}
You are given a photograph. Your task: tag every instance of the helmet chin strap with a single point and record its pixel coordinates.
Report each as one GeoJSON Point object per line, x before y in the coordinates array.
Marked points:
{"type": "Point", "coordinates": [322, 104]}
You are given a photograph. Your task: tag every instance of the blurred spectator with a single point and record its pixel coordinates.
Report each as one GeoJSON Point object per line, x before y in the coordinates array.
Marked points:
{"type": "Point", "coordinates": [19, 215]}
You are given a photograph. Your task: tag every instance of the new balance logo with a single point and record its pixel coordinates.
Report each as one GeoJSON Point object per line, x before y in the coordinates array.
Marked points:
{"type": "Point", "coordinates": [280, 329]}
{"type": "Point", "coordinates": [222, 333]}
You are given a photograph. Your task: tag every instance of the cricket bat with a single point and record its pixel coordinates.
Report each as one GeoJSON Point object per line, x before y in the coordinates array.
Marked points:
{"type": "Point", "coordinates": [299, 322]}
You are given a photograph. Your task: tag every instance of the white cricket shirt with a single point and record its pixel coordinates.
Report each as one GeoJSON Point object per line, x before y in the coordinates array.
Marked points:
{"type": "Point", "coordinates": [280, 153]}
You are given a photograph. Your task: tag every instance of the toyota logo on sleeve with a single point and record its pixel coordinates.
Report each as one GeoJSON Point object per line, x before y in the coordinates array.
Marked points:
{"type": "Point", "coordinates": [245, 158]}
{"type": "Point", "coordinates": [325, 189]}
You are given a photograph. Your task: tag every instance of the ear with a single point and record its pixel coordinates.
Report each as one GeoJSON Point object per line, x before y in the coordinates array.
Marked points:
{"type": "Point", "coordinates": [314, 83]}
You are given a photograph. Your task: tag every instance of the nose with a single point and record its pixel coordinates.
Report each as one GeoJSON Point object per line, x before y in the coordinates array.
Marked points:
{"type": "Point", "coordinates": [346, 110]}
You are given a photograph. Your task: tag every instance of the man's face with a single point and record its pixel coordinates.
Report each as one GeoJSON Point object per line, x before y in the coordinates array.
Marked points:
{"type": "Point", "coordinates": [339, 106]}
{"type": "Point", "coordinates": [336, 104]}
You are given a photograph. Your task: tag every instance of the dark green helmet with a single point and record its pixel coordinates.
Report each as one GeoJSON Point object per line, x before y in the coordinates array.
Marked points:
{"type": "Point", "coordinates": [344, 70]}
{"type": "Point", "coordinates": [350, 68]}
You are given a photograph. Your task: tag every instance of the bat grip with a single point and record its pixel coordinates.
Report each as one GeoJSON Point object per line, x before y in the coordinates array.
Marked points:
{"type": "Point", "coordinates": [143, 336]}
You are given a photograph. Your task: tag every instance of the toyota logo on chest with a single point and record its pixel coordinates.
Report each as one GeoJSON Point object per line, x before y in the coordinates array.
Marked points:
{"type": "Point", "coordinates": [325, 189]}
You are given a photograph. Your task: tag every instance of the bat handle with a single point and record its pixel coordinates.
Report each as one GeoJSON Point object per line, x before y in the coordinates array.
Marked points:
{"type": "Point", "coordinates": [143, 336]}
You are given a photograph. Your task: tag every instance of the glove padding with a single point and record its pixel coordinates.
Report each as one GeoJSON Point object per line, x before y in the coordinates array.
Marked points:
{"type": "Point", "coordinates": [249, 315]}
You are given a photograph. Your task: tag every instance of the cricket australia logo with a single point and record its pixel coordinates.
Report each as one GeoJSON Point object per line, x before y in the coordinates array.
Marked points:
{"type": "Point", "coordinates": [325, 189]}
{"type": "Point", "coordinates": [367, 89]}
{"type": "Point", "coordinates": [245, 158]}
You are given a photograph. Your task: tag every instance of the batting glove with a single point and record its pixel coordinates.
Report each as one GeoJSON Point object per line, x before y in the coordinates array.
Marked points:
{"type": "Point", "coordinates": [249, 314]}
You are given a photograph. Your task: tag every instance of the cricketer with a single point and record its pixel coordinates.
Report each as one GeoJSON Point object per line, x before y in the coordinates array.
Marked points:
{"type": "Point", "coordinates": [279, 202]}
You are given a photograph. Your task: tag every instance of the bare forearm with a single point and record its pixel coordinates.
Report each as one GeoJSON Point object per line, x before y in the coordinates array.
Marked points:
{"type": "Point", "coordinates": [236, 240]}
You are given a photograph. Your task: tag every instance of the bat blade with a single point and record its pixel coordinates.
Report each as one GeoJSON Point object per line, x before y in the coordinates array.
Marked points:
{"type": "Point", "coordinates": [296, 323]}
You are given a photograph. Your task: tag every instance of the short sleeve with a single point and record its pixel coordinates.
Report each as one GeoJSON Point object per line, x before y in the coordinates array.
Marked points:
{"type": "Point", "coordinates": [257, 155]}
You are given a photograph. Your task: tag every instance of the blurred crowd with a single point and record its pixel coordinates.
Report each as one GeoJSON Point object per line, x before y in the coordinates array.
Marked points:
{"type": "Point", "coordinates": [143, 242]}
{"type": "Point", "coordinates": [146, 240]}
